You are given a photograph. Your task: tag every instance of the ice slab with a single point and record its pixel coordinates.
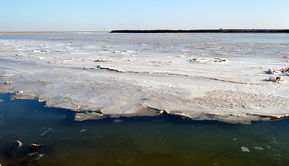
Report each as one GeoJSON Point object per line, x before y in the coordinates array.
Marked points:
{"type": "Point", "coordinates": [213, 77]}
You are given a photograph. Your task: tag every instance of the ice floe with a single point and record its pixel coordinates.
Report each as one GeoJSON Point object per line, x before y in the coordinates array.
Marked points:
{"type": "Point", "coordinates": [212, 77]}
{"type": "Point", "coordinates": [245, 149]}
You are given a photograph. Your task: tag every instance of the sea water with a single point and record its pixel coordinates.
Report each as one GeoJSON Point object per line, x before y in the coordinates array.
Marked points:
{"type": "Point", "coordinates": [163, 140]}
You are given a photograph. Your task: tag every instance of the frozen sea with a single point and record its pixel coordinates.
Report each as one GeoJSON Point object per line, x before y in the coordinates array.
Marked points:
{"type": "Point", "coordinates": [199, 76]}
{"type": "Point", "coordinates": [144, 99]}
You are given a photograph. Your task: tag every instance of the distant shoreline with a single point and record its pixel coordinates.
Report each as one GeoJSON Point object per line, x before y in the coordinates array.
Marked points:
{"type": "Point", "coordinates": [206, 31]}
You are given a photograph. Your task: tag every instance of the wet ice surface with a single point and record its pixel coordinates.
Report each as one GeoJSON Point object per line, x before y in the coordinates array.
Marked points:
{"type": "Point", "coordinates": [200, 76]}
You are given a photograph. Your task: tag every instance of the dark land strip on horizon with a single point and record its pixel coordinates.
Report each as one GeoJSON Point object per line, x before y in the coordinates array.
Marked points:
{"type": "Point", "coordinates": [205, 31]}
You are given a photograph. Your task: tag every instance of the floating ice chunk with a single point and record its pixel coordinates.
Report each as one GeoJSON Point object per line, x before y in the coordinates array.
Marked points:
{"type": "Point", "coordinates": [258, 148]}
{"type": "Point", "coordinates": [39, 156]}
{"type": "Point", "coordinates": [88, 116]}
{"type": "Point", "coordinates": [83, 130]}
{"type": "Point", "coordinates": [18, 144]}
{"type": "Point", "coordinates": [245, 149]}
{"type": "Point", "coordinates": [46, 131]}
{"type": "Point", "coordinates": [117, 121]}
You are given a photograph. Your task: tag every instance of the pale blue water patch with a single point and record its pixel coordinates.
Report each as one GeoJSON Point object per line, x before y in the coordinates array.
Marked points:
{"type": "Point", "coordinates": [155, 141]}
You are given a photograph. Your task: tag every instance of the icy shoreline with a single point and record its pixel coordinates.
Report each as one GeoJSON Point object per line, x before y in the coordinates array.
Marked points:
{"type": "Point", "coordinates": [196, 76]}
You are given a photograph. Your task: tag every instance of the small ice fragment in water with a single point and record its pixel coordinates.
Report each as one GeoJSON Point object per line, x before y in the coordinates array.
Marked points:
{"type": "Point", "coordinates": [83, 130]}
{"type": "Point", "coordinates": [235, 139]}
{"type": "Point", "coordinates": [1, 100]}
{"type": "Point", "coordinates": [36, 147]}
{"type": "Point", "coordinates": [18, 143]}
{"type": "Point", "coordinates": [35, 150]}
{"type": "Point", "coordinates": [245, 149]}
{"type": "Point", "coordinates": [117, 121]}
{"type": "Point", "coordinates": [258, 148]}
{"type": "Point", "coordinates": [39, 156]}
{"type": "Point", "coordinates": [45, 132]}
{"type": "Point", "coordinates": [35, 156]}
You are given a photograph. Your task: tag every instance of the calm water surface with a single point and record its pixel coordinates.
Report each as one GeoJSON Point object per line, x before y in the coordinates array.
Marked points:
{"type": "Point", "coordinates": [142, 141]}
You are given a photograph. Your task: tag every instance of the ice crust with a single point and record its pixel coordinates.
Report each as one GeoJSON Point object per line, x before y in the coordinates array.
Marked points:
{"type": "Point", "coordinates": [212, 77]}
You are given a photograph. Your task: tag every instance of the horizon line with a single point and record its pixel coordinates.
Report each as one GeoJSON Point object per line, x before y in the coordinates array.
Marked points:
{"type": "Point", "coordinates": [221, 30]}
{"type": "Point", "coordinates": [232, 30]}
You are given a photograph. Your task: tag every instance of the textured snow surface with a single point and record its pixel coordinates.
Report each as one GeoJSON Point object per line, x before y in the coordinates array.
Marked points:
{"type": "Point", "coordinates": [199, 76]}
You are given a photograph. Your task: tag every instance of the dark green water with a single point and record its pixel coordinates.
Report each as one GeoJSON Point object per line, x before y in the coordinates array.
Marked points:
{"type": "Point", "coordinates": [143, 141]}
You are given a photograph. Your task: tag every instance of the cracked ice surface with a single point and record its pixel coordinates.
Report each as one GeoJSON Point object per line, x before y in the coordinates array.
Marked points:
{"type": "Point", "coordinates": [200, 76]}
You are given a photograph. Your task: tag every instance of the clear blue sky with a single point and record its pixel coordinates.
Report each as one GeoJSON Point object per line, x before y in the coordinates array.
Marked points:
{"type": "Point", "coordinates": [43, 15]}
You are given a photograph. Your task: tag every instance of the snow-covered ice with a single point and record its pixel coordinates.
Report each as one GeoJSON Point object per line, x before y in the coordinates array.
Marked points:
{"type": "Point", "coordinates": [199, 76]}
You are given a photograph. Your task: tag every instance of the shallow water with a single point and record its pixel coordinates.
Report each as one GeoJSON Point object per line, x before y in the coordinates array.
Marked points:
{"type": "Point", "coordinates": [164, 140]}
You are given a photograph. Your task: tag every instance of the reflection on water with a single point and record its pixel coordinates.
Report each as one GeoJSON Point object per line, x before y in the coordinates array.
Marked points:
{"type": "Point", "coordinates": [140, 141]}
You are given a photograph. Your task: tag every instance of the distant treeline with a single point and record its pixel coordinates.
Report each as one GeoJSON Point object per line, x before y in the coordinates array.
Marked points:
{"type": "Point", "coordinates": [206, 31]}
